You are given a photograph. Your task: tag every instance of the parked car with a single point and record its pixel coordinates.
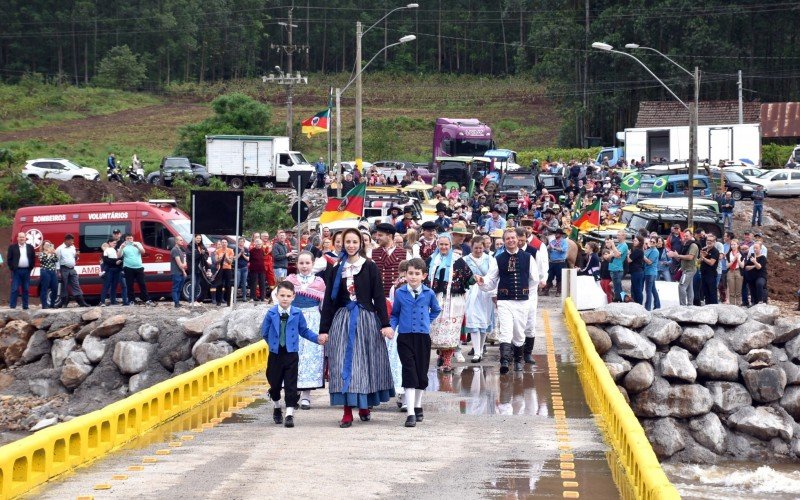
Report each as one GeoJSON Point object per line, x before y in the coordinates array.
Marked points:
{"type": "Point", "coordinates": [749, 172]}
{"type": "Point", "coordinates": [780, 182]}
{"type": "Point", "coordinates": [58, 168]}
{"type": "Point", "coordinates": [737, 184]}
{"type": "Point", "coordinates": [510, 184]}
{"type": "Point", "coordinates": [173, 167]}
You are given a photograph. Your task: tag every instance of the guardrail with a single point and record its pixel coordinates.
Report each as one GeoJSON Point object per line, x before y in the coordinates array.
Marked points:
{"type": "Point", "coordinates": [37, 458]}
{"type": "Point", "coordinates": [641, 470]}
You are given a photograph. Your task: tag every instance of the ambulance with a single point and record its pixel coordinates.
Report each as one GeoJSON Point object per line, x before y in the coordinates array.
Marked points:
{"type": "Point", "coordinates": [154, 223]}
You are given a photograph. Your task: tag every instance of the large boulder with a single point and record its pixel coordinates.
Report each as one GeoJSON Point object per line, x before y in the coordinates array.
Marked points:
{"type": "Point", "coordinates": [765, 385]}
{"type": "Point", "coordinates": [764, 313]}
{"type": "Point", "coordinates": [64, 332]}
{"type": "Point", "coordinates": [661, 331]}
{"type": "Point", "coordinates": [595, 317]}
{"type": "Point", "coordinates": [664, 435]}
{"type": "Point", "coordinates": [791, 401]}
{"type": "Point", "coordinates": [600, 339]}
{"type": "Point", "coordinates": [46, 387]}
{"type": "Point", "coordinates": [751, 335]}
{"type": "Point", "coordinates": [631, 344]}
{"type": "Point", "coordinates": [60, 350]}
{"type": "Point", "coordinates": [38, 346]}
{"type": "Point", "coordinates": [210, 351]}
{"type": "Point", "coordinates": [694, 338]}
{"type": "Point", "coordinates": [173, 349]}
{"type": "Point", "coordinates": [92, 314]}
{"type": "Point", "coordinates": [689, 314]}
{"type": "Point", "coordinates": [94, 347]}
{"type": "Point", "coordinates": [792, 349]}
{"type": "Point", "coordinates": [616, 370]}
{"type": "Point", "coordinates": [132, 357]}
{"type": "Point", "coordinates": [730, 315]}
{"type": "Point", "coordinates": [628, 314]}
{"type": "Point", "coordinates": [244, 325]}
{"type": "Point", "coordinates": [786, 329]}
{"type": "Point", "coordinates": [195, 327]}
{"type": "Point", "coordinates": [763, 422]}
{"type": "Point", "coordinates": [639, 378]}
{"type": "Point", "coordinates": [147, 378]}
{"type": "Point", "coordinates": [149, 333]}
{"type": "Point", "coordinates": [14, 339]}
{"type": "Point", "coordinates": [792, 372]}
{"type": "Point", "coordinates": [728, 396]}
{"type": "Point", "coordinates": [709, 432]}
{"type": "Point", "coordinates": [663, 400]}
{"type": "Point", "coordinates": [717, 362]}
{"type": "Point", "coordinates": [110, 326]}
{"type": "Point", "coordinates": [677, 365]}
{"type": "Point", "coordinates": [76, 368]}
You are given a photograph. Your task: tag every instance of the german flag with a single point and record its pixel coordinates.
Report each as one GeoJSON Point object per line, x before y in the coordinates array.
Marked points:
{"type": "Point", "coordinates": [349, 207]}
{"type": "Point", "coordinates": [589, 218]}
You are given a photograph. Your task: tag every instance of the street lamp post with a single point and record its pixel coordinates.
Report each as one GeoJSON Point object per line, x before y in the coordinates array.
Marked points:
{"type": "Point", "coordinates": [692, 108]}
{"type": "Point", "coordinates": [339, 92]}
{"type": "Point", "coordinates": [359, 35]}
{"type": "Point", "coordinates": [287, 79]}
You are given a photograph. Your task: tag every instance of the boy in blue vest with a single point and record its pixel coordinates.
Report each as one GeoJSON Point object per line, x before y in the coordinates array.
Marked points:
{"type": "Point", "coordinates": [414, 308]}
{"type": "Point", "coordinates": [282, 328]}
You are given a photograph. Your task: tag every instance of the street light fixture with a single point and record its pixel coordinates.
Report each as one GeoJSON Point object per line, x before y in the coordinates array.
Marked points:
{"type": "Point", "coordinates": [692, 108]}
{"type": "Point", "coordinates": [359, 101]}
{"type": "Point", "coordinates": [339, 92]}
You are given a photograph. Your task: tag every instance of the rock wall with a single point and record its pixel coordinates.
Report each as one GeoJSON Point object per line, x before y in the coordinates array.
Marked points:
{"type": "Point", "coordinates": [70, 362]}
{"type": "Point", "coordinates": [706, 382]}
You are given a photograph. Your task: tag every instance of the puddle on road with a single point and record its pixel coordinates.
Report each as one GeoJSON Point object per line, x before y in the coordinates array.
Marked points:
{"type": "Point", "coordinates": [484, 391]}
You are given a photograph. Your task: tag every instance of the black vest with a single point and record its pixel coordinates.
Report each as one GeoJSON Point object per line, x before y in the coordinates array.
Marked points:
{"type": "Point", "coordinates": [513, 284]}
{"type": "Point", "coordinates": [531, 250]}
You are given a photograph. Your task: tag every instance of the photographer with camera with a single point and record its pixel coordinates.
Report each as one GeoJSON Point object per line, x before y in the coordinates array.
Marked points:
{"type": "Point", "coordinates": [131, 253]}
{"type": "Point", "coordinates": [756, 268]}
{"type": "Point", "coordinates": [709, 261]}
{"type": "Point", "coordinates": [687, 256]}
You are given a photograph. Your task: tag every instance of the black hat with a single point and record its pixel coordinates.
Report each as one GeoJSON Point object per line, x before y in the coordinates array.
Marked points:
{"type": "Point", "coordinates": [441, 207]}
{"type": "Point", "coordinates": [560, 231]}
{"type": "Point", "coordinates": [408, 209]}
{"type": "Point", "coordinates": [385, 227]}
{"type": "Point", "coordinates": [395, 209]}
{"type": "Point", "coordinates": [549, 210]}
{"type": "Point", "coordinates": [429, 226]}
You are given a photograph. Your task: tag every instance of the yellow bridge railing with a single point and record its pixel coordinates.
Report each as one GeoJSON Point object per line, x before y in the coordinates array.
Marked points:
{"type": "Point", "coordinates": [640, 475]}
{"type": "Point", "coordinates": [35, 459]}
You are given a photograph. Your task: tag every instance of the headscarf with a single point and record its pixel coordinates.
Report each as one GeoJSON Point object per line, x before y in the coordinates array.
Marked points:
{"type": "Point", "coordinates": [438, 260]}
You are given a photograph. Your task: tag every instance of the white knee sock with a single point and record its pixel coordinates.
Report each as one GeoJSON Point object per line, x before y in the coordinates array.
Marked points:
{"type": "Point", "coordinates": [410, 399]}
{"type": "Point", "coordinates": [305, 395]}
{"type": "Point", "coordinates": [289, 411]}
{"type": "Point", "coordinates": [418, 398]}
{"type": "Point", "coordinates": [477, 345]}
{"type": "Point", "coordinates": [277, 404]}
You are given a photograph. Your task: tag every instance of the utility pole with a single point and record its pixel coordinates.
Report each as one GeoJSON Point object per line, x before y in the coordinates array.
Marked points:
{"type": "Point", "coordinates": [359, 150]}
{"type": "Point", "coordinates": [694, 116]}
{"type": "Point", "coordinates": [289, 51]}
{"type": "Point", "coordinates": [741, 104]}
{"type": "Point", "coordinates": [338, 144]}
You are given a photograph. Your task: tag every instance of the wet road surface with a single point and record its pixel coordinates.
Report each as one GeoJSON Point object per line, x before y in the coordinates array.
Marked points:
{"type": "Point", "coordinates": [527, 434]}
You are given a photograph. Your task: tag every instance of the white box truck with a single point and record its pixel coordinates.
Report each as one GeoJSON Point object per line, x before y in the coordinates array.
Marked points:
{"type": "Point", "coordinates": [714, 143]}
{"type": "Point", "coordinates": [244, 159]}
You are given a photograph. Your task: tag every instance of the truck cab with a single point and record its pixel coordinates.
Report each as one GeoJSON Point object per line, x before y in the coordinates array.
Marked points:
{"type": "Point", "coordinates": [612, 155]}
{"type": "Point", "coordinates": [461, 137]}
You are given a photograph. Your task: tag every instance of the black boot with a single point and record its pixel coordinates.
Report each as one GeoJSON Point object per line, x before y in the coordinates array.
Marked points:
{"type": "Point", "coordinates": [81, 302]}
{"type": "Point", "coordinates": [528, 354]}
{"type": "Point", "coordinates": [518, 350]}
{"type": "Point", "coordinates": [505, 357]}
{"type": "Point", "coordinates": [64, 302]}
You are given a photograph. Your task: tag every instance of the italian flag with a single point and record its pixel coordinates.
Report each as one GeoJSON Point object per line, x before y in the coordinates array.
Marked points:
{"type": "Point", "coordinates": [589, 218]}
{"type": "Point", "coordinates": [349, 207]}
{"type": "Point", "coordinates": [317, 123]}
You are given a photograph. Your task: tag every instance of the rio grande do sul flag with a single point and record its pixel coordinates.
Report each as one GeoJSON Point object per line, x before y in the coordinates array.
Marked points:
{"type": "Point", "coordinates": [589, 218]}
{"type": "Point", "coordinates": [349, 207]}
{"type": "Point", "coordinates": [317, 123]}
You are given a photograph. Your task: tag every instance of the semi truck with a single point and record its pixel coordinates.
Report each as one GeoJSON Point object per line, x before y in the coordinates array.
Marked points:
{"type": "Point", "coordinates": [461, 137]}
{"type": "Point", "coordinates": [248, 159]}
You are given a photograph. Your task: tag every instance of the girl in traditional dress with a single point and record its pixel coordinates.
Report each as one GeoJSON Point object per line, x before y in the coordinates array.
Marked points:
{"type": "Point", "coordinates": [332, 255]}
{"type": "Point", "coordinates": [480, 308]}
{"type": "Point", "coordinates": [449, 277]}
{"type": "Point", "coordinates": [309, 292]}
{"type": "Point", "coordinates": [355, 316]}
{"type": "Point", "coordinates": [391, 344]}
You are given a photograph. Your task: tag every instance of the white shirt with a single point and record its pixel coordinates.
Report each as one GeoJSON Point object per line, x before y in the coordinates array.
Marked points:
{"type": "Point", "coordinates": [282, 310]}
{"type": "Point", "coordinates": [413, 291]}
{"type": "Point", "coordinates": [23, 257]}
{"type": "Point", "coordinates": [66, 255]}
{"type": "Point", "coordinates": [492, 278]}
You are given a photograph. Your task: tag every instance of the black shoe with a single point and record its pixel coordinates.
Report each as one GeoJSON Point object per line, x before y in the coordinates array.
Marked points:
{"type": "Point", "coordinates": [411, 421]}
{"type": "Point", "coordinates": [471, 352]}
{"type": "Point", "coordinates": [289, 422]}
{"type": "Point", "coordinates": [503, 367]}
{"type": "Point", "coordinates": [419, 415]}
{"type": "Point", "coordinates": [506, 356]}
{"type": "Point", "coordinates": [277, 416]}
{"type": "Point", "coordinates": [517, 366]}
{"type": "Point", "coordinates": [528, 347]}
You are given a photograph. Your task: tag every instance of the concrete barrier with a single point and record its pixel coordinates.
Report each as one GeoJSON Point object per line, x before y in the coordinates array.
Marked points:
{"type": "Point", "coordinates": [35, 459]}
{"type": "Point", "coordinates": [640, 475]}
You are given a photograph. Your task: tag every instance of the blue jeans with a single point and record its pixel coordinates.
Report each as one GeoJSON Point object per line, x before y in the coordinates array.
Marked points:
{"type": "Point", "coordinates": [110, 284]}
{"type": "Point", "coordinates": [20, 278]}
{"type": "Point", "coordinates": [758, 210]}
{"type": "Point", "coordinates": [651, 301]}
{"type": "Point", "coordinates": [727, 220]}
{"type": "Point", "coordinates": [242, 272]}
{"type": "Point", "coordinates": [280, 273]}
{"type": "Point", "coordinates": [177, 285]}
{"type": "Point", "coordinates": [665, 274]}
{"type": "Point", "coordinates": [616, 280]}
{"type": "Point", "coordinates": [637, 286]}
{"type": "Point", "coordinates": [48, 288]}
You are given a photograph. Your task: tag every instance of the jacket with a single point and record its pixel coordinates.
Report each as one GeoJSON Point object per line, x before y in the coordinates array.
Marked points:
{"type": "Point", "coordinates": [369, 294]}
{"type": "Point", "coordinates": [414, 316]}
{"type": "Point", "coordinates": [280, 259]}
{"type": "Point", "coordinates": [296, 327]}
{"type": "Point", "coordinates": [12, 257]}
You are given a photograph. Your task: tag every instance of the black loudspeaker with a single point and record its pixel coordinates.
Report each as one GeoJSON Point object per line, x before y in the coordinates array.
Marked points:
{"type": "Point", "coordinates": [215, 212]}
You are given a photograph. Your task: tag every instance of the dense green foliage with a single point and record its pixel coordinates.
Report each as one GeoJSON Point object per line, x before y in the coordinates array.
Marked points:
{"type": "Point", "coordinates": [121, 69]}
{"type": "Point", "coordinates": [234, 114]}
{"type": "Point", "coordinates": [17, 191]}
{"type": "Point", "coordinates": [774, 155]}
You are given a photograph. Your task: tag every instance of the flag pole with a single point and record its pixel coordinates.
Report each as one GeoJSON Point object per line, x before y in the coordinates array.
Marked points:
{"type": "Point", "coordinates": [330, 144]}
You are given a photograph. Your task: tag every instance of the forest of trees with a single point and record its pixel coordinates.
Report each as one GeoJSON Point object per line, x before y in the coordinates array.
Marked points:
{"type": "Point", "coordinates": [549, 40]}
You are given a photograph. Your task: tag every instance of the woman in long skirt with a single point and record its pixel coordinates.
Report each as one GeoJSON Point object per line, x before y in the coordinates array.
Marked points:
{"type": "Point", "coordinates": [448, 276]}
{"type": "Point", "coordinates": [480, 308]}
{"type": "Point", "coordinates": [355, 317]}
{"type": "Point", "coordinates": [309, 293]}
